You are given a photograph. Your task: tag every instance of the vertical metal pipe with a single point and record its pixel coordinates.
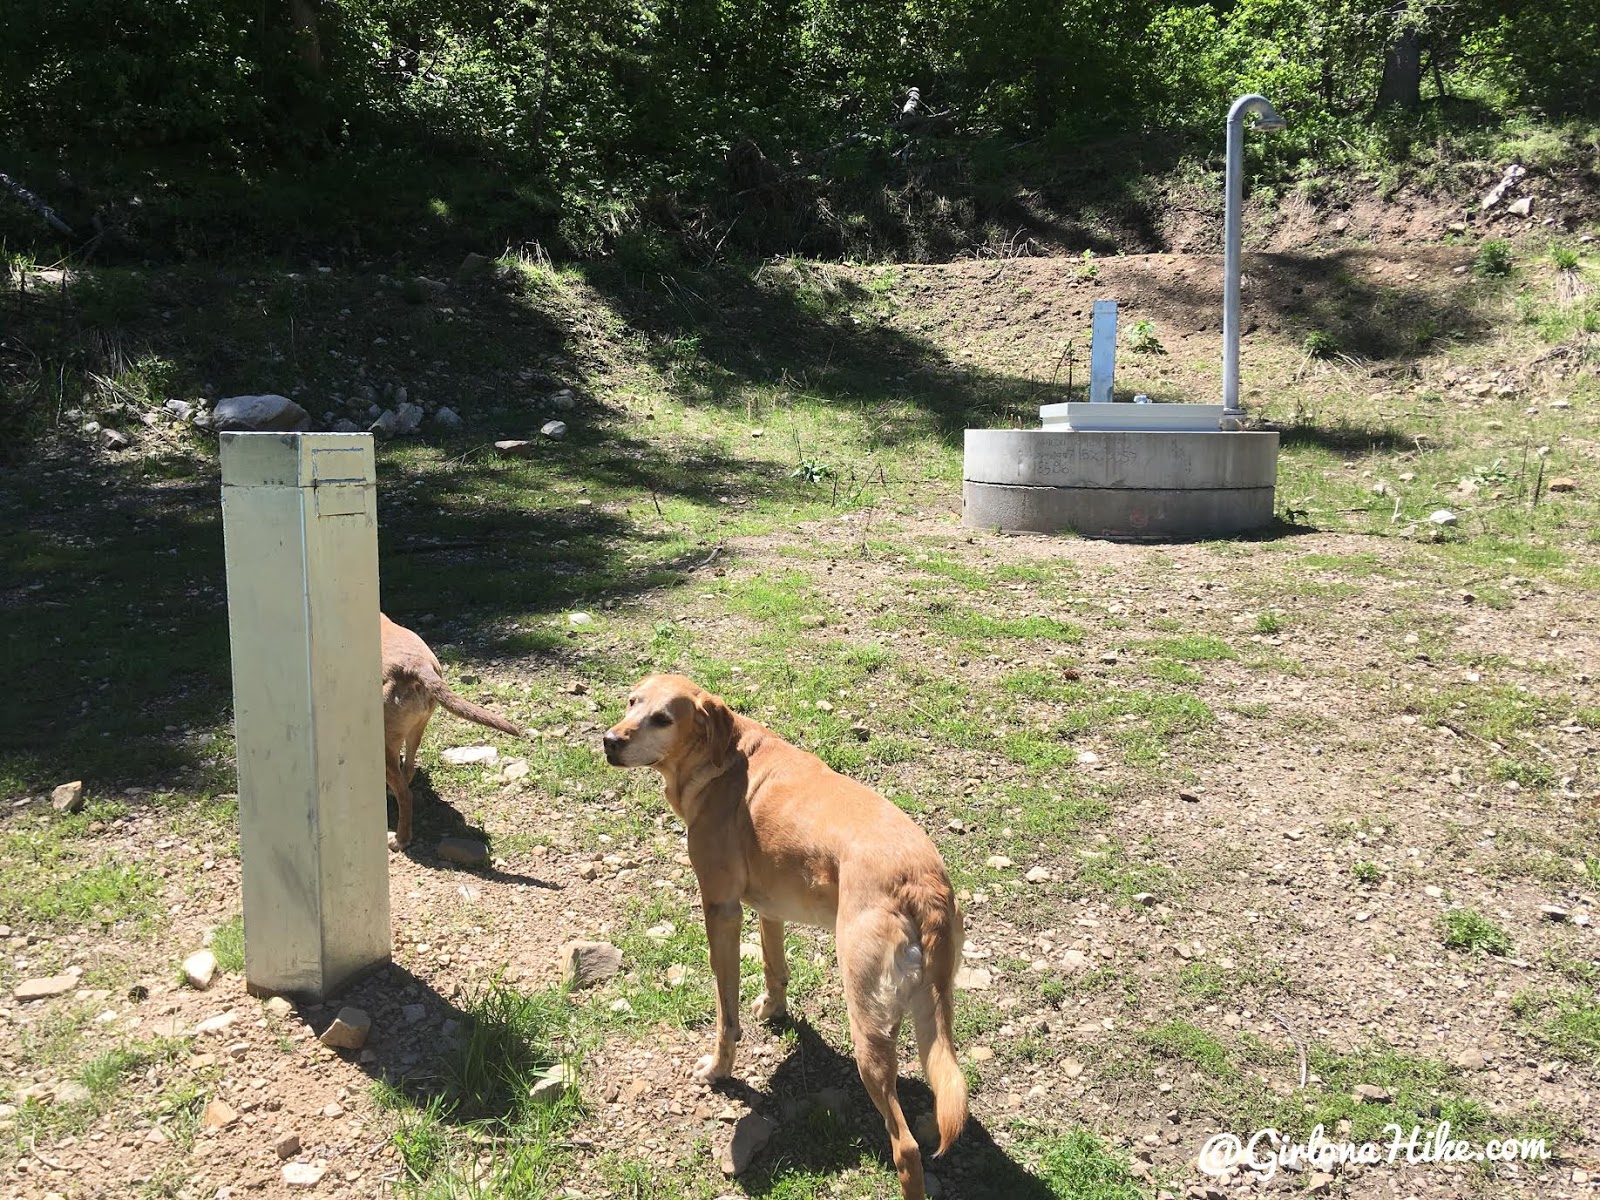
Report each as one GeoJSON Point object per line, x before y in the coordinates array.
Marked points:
{"type": "Point", "coordinates": [1233, 217]}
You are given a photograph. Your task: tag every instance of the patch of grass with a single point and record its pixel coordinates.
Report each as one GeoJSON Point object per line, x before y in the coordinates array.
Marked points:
{"type": "Point", "coordinates": [227, 943]}
{"type": "Point", "coordinates": [480, 1092]}
{"type": "Point", "coordinates": [1494, 712]}
{"type": "Point", "coordinates": [1193, 648]}
{"type": "Point", "coordinates": [1468, 929]}
{"type": "Point", "coordinates": [1111, 869]}
{"type": "Point", "coordinates": [1189, 1043]}
{"type": "Point", "coordinates": [1079, 1167]}
{"type": "Point", "coordinates": [1568, 1022]}
{"type": "Point", "coordinates": [973, 627]}
{"type": "Point", "coordinates": [1268, 623]}
{"type": "Point", "coordinates": [1366, 872]}
{"type": "Point", "coordinates": [105, 894]}
{"type": "Point", "coordinates": [1203, 981]}
{"type": "Point", "coordinates": [1417, 1087]}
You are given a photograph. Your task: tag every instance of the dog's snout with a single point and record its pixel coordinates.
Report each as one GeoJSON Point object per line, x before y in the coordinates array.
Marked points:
{"type": "Point", "coordinates": [610, 741]}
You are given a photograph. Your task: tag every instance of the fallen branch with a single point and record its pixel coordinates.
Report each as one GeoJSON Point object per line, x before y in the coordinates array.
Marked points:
{"type": "Point", "coordinates": [46, 213]}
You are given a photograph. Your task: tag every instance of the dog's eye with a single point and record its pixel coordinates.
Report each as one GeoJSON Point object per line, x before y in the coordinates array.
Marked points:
{"type": "Point", "coordinates": [632, 700]}
{"type": "Point", "coordinates": [661, 718]}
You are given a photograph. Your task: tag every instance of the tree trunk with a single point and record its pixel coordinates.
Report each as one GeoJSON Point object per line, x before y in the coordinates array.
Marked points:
{"type": "Point", "coordinates": [307, 38]}
{"type": "Point", "coordinates": [1402, 69]}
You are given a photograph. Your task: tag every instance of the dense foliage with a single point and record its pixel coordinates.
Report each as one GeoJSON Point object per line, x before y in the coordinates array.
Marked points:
{"type": "Point", "coordinates": [606, 105]}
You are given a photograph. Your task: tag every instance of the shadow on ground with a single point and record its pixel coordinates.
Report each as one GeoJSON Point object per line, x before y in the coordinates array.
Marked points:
{"type": "Point", "coordinates": [834, 1131]}
{"type": "Point", "coordinates": [111, 574]}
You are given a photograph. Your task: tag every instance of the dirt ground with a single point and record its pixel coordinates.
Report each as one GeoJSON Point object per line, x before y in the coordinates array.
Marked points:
{"type": "Point", "coordinates": [1266, 835]}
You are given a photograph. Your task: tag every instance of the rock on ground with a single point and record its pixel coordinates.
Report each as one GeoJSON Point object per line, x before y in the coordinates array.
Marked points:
{"type": "Point", "coordinates": [266, 413]}
{"type": "Point", "coordinates": [750, 1135]}
{"type": "Point", "coordinates": [199, 969]}
{"type": "Point", "coordinates": [349, 1030]}
{"type": "Point", "coordinates": [553, 1084]}
{"type": "Point", "coordinates": [68, 798]}
{"type": "Point", "coordinates": [584, 963]}
{"type": "Point", "coordinates": [51, 985]}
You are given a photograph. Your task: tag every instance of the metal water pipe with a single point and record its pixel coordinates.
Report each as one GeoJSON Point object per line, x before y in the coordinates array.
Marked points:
{"type": "Point", "coordinates": [1232, 414]}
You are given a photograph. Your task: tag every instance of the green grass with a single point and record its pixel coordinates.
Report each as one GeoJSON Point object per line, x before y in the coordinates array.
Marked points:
{"type": "Point", "coordinates": [1187, 1043]}
{"type": "Point", "coordinates": [1366, 872]}
{"type": "Point", "coordinates": [1566, 1022]}
{"type": "Point", "coordinates": [1494, 258]}
{"type": "Point", "coordinates": [1078, 1166]}
{"type": "Point", "coordinates": [1468, 929]}
{"type": "Point", "coordinates": [227, 943]}
{"type": "Point", "coordinates": [479, 1091]}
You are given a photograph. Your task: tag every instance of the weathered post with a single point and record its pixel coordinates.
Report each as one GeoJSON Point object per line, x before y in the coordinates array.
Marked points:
{"type": "Point", "coordinates": [299, 518]}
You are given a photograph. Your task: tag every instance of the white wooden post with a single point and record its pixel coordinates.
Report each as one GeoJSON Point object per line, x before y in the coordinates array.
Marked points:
{"type": "Point", "coordinates": [299, 518]}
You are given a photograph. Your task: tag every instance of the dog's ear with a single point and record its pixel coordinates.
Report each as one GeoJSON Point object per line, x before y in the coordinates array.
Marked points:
{"type": "Point", "coordinates": [716, 721]}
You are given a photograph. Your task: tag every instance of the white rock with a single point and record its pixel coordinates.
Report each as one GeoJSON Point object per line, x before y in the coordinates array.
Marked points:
{"type": "Point", "coordinates": [217, 1023]}
{"type": "Point", "coordinates": [461, 756]}
{"type": "Point", "coordinates": [448, 417]}
{"type": "Point", "coordinates": [579, 618]}
{"type": "Point", "coordinates": [199, 969]}
{"type": "Point", "coordinates": [408, 417]}
{"type": "Point", "coordinates": [554, 430]}
{"type": "Point", "coordinates": [998, 862]}
{"type": "Point", "coordinates": [303, 1175]}
{"type": "Point", "coordinates": [1037, 875]}
{"type": "Point", "coordinates": [267, 413]}
{"type": "Point", "coordinates": [1441, 516]}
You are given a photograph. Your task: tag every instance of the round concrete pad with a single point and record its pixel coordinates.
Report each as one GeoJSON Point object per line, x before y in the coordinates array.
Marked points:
{"type": "Point", "coordinates": [1121, 458]}
{"type": "Point", "coordinates": [1117, 512]}
{"type": "Point", "coordinates": [1120, 483]}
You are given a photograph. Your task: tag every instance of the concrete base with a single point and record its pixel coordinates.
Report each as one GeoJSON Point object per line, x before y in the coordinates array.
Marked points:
{"type": "Point", "coordinates": [1119, 483]}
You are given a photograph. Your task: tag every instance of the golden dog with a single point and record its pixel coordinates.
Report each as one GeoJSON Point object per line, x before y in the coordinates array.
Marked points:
{"type": "Point", "coordinates": [413, 683]}
{"type": "Point", "coordinates": [773, 827]}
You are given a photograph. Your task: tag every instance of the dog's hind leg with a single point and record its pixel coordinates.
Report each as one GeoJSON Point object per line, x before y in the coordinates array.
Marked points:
{"type": "Point", "coordinates": [399, 784]}
{"type": "Point", "coordinates": [773, 1002]}
{"type": "Point", "coordinates": [872, 956]}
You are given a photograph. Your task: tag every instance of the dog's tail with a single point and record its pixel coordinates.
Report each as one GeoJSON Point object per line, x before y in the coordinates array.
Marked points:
{"type": "Point", "coordinates": [933, 1008]}
{"type": "Point", "coordinates": [463, 707]}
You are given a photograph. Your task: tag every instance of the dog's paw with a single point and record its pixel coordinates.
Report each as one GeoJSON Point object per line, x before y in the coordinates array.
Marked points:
{"type": "Point", "coordinates": [709, 1070]}
{"type": "Point", "coordinates": [395, 844]}
{"type": "Point", "coordinates": [768, 1008]}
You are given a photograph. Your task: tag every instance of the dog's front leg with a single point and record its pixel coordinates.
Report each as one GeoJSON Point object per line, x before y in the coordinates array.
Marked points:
{"type": "Point", "coordinates": [773, 1002]}
{"type": "Point", "coordinates": [722, 933]}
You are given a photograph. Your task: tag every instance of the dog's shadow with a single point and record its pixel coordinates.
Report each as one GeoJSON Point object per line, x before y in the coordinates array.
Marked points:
{"type": "Point", "coordinates": [826, 1124]}
{"type": "Point", "coordinates": [432, 818]}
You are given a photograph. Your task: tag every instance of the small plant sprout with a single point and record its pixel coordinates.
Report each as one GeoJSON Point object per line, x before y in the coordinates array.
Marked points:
{"type": "Point", "coordinates": [1493, 260]}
